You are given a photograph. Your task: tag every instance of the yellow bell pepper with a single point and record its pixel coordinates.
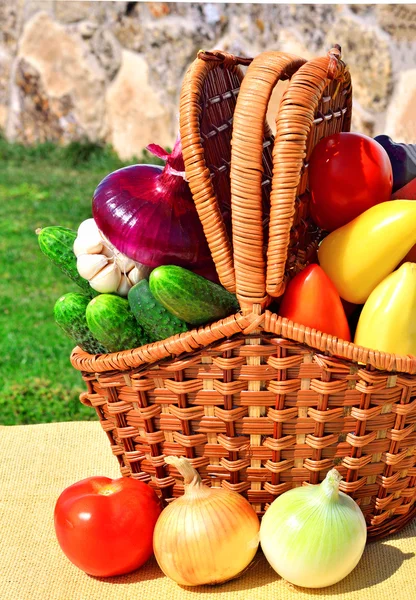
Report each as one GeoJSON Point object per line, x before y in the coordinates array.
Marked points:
{"type": "Point", "coordinates": [388, 319]}
{"type": "Point", "coordinates": [357, 256]}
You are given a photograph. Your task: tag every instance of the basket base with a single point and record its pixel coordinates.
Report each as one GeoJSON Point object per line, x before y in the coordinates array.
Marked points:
{"type": "Point", "coordinates": [390, 527]}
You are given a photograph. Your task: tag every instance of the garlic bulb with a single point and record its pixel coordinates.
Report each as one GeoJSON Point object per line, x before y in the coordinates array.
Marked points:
{"type": "Point", "coordinates": [89, 265]}
{"type": "Point", "coordinates": [125, 273]}
{"type": "Point", "coordinates": [107, 280]}
{"type": "Point", "coordinates": [207, 536]}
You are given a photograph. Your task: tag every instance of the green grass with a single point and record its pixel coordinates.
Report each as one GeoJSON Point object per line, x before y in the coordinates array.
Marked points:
{"type": "Point", "coordinates": [41, 186]}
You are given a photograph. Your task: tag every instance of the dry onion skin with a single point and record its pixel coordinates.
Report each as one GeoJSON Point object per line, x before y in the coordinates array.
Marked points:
{"type": "Point", "coordinates": [208, 535]}
{"type": "Point", "coordinates": [314, 536]}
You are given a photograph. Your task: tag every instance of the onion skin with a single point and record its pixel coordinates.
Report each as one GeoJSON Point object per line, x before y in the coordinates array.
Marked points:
{"type": "Point", "coordinates": [206, 536]}
{"type": "Point", "coordinates": [314, 536]}
{"type": "Point", "coordinates": [147, 213]}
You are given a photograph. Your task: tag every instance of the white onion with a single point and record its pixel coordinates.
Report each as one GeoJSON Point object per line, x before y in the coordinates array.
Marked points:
{"type": "Point", "coordinates": [314, 536]}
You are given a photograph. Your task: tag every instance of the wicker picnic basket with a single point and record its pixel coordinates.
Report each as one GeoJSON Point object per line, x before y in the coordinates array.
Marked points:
{"type": "Point", "coordinates": [257, 403]}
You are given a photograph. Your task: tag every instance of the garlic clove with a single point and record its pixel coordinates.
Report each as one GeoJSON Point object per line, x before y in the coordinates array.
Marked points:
{"type": "Point", "coordinates": [138, 273]}
{"type": "Point", "coordinates": [89, 265]}
{"type": "Point", "coordinates": [82, 246]}
{"type": "Point", "coordinates": [89, 233]}
{"type": "Point", "coordinates": [124, 262]}
{"type": "Point", "coordinates": [134, 276]}
{"type": "Point", "coordinates": [107, 280]}
{"type": "Point", "coordinates": [124, 286]}
{"type": "Point", "coordinates": [88, 227]}
{"type": "Point", "coordinates": [108, 251]}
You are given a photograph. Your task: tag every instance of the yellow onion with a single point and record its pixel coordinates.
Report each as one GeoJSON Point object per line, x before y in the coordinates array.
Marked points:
{"type": "Point", "coordinates": [208, 535]}
{"type": "Point", "coordinates": [314, 536]}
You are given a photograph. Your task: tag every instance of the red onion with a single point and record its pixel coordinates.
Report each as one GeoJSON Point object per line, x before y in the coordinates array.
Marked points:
{"type": "Point", "coordinates": [147, 212]}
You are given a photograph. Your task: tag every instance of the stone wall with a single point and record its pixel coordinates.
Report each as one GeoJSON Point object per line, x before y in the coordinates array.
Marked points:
{"type": "Point", "coordinates": [113, 70]}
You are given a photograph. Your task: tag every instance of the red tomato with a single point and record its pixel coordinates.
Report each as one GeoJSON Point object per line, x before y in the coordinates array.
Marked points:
{"type": "Point", "coordinates": [105, 526]}
{"type": "Point", "coordinates": [348, 174]}
{"type": "Point", "coordinates": [311, 299]}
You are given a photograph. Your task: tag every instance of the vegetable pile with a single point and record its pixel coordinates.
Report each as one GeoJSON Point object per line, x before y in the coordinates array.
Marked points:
{"type": "Point", "coordinates": [366, 266]}
{"type": "Point", "coordinates": [145, 273]}
{"type": "Point", "coordinates": [313, 536]}
{"type": "Point", "coordinates": [142, 263]}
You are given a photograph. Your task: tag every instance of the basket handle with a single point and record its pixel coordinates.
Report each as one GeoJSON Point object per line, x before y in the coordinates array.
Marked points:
{"type": "Point", "coordinates": [293, 124]}
{"type": "Point", "coordinates": [197, 172]}
{"type": "Point", "coordinates": [247, 169]}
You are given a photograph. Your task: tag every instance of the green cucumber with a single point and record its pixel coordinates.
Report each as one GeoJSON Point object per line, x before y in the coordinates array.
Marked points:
{"type": "Point", "coordinates": [156, 321]}
{"type": "Point", "coordinates": [112, 323]}
{"type": "Point", "coordinates": [191, 297]}
{"type": "Point", "coordinates": [69, 313]}
{"type": "Point", "coordinates": [57, 244]}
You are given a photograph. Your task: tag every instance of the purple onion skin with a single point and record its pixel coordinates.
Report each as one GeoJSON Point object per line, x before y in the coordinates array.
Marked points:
{"type": "Point", "coordinates": [147, 212]}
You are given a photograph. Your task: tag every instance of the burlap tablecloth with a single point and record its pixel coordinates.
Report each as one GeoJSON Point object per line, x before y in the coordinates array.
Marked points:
{"type": "Point", "coordinates": [39, 461]}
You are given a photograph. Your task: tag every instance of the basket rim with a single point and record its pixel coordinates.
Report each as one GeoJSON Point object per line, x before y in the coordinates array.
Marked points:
{"type": "Point", "coordinates": [197, 339]}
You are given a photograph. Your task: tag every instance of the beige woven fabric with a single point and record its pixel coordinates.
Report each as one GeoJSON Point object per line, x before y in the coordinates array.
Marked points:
{"type": "Point", "coordinates": [38, 461]}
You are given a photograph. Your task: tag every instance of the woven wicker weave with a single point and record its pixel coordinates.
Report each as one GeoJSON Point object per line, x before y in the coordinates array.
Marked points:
{"type": "Point", "coordinates": [260, 404]}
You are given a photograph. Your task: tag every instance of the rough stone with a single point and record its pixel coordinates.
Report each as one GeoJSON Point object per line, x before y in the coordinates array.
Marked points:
{"type": "Point", "coordinates": [136, 116]}
{"type": "Point", "coordinates": [130, 33]}
{"type": "Point", "coordinates": [87, 29]}
{"type": "Point", "coordinates": [292, 42]}
{"type": "Point", "coordinates": [41, 117]}
{"type": "Point", "coordinates": [11, 19]}
{"type": "Point", "coordinates": [5, 68]}
{"type": "Point", "coordinates": [70, 12]}
{"type": "Point", "coordinates": [362, 121]}
{"type": "Point", "coordinates": [169, 46]}
{"type": "Point", "coordinates": [31, 7]}
{"type": "Point", "coordinates": [304, 18]}
{"type": "Point", "coordinates": [59, 76]}
{"type": "Point", "coordinates": [362, 9]}
{"type": "Point", "coordinates": [398, 20]}
{"type": "Point", "coordinates": [74, 11]}
{"type": "Point", "coordinates": [401, 117]}
{"type": "Point", "coordinates": [367, 53]}
{"type": "Point", "coordinates": [237, 44]}
{"type": "Point", "coordinates": [107, 50]}
{"type": "Point", "coordinates": [70, 59]}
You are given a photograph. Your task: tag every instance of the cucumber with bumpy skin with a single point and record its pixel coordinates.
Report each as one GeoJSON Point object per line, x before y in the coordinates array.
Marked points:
{"type": "Point", "coordinates": [190, 297]}
{"type": "Point", "coordinates": [156, 321]}
{"type": "Point", "coordinates": [57, 244]}
{"type": "Point", "coordinates": [112, 323]}
{"type": "Point", "coordinates": [69, 313]}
